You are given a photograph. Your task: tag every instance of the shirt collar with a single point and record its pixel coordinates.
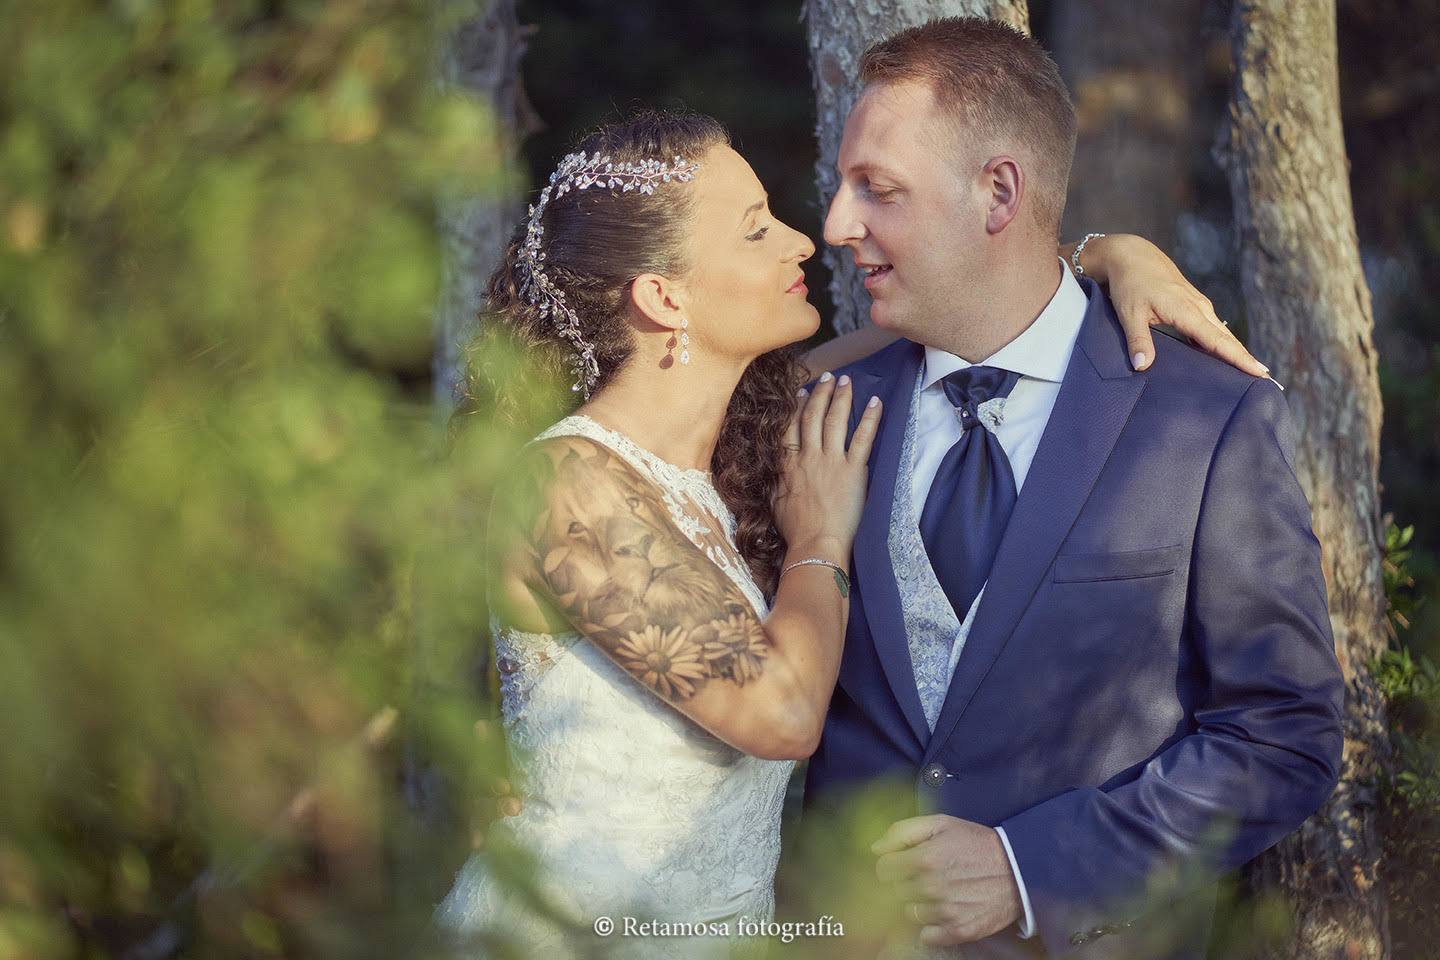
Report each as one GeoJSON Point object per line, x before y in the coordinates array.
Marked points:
{"type": "Point", "coordinates": [1042, 351]}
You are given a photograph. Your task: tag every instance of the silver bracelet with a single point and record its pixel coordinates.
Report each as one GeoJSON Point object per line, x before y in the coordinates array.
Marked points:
{"type": "Point", "coordinates": [1075, 254]}
{"type": "Point", "coordinates": [842, 579]}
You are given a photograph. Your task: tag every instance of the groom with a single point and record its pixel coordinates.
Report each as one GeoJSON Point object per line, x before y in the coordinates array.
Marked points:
{"type": "Point", "coordinates": [1089, 622]}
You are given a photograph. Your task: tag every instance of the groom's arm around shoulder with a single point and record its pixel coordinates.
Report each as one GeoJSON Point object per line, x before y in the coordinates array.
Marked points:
{"type": "Point", "coordinates": [1262, 746]}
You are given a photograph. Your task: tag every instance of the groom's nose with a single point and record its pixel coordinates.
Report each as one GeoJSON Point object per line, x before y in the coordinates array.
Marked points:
{"type": "Point", "coordinates": [842, 223]}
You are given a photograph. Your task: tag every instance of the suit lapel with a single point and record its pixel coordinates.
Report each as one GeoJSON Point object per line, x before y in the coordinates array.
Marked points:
{"type": "Point", "coordinates": [1094, 404]}
{"type": "Point", "coordinates": [874, 574]}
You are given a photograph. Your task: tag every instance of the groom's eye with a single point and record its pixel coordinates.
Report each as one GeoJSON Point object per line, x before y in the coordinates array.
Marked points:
{"type": "Point", "coordinates": [759, 234]}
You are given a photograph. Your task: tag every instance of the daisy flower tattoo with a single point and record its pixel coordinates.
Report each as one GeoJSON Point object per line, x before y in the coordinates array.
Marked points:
{"type": "Point", "coordinates": [666, 661]}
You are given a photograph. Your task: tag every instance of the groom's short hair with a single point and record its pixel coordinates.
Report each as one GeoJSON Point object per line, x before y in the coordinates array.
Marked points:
{"type": "Point", "coordinates": [998, 84]}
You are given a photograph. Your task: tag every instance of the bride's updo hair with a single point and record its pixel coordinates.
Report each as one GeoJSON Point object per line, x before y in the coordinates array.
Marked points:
{"type": "Point", "coordinates": [595, 243]}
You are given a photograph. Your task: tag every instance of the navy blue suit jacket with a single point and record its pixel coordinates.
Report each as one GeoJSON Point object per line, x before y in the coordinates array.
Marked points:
{"type": "Point", "coordinates": [1151, 666]}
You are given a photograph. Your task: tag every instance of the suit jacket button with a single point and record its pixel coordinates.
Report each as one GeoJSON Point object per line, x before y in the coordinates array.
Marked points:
{"type": "Point", "coordinates": [934, 775]}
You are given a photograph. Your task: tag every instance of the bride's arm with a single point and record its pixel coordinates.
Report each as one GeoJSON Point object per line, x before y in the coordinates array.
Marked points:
{"type": "Point", "coordinates": [588, 542]}
{"type": "Point", "coordinates": [1145, 286]}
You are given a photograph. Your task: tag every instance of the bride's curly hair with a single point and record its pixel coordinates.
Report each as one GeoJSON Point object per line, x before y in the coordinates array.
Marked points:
{"type": "Point", "coordinates": [596, 242]}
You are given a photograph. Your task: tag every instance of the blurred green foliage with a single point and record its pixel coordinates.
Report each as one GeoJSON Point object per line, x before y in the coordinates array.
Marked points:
{"type": "Point", "coordinates": [1410, 451]}
{"type": "Point", "coordinates": [1392, 131]}
{"type": "Point", "coordinates": [239, 583]}
{"type": "Point", "coordinates": [1410, 790]}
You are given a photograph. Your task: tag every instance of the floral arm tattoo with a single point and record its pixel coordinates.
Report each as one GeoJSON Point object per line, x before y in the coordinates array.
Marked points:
{"type": "Point", "coordinates": [598, 544]}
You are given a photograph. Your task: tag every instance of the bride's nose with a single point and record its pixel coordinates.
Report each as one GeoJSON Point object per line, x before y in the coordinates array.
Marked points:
{"type": "Point", "coordinates": [802, 248]}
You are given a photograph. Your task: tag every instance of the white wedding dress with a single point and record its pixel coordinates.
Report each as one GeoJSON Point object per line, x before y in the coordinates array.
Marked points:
{"type": "Point", "coordinates": [630, 809]}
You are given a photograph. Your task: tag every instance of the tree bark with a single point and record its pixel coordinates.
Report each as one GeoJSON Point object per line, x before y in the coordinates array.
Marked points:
{"type": "Point", "coordinates": [477, 51]}
{"type": "Point", "coordinates": [478, 48]}
{"type": "Point", "coordinates": [838, 31]}
{"type": "Point", "coordinates": [1310, 320]}
{"type": "Point", "coordinates": [1134, 77]}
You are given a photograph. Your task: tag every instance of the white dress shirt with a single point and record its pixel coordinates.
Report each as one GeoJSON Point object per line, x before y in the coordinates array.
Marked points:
{"type": "Point", "coordinates": [1040, 355]}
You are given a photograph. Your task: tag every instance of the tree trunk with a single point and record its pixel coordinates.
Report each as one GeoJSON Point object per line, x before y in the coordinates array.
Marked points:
{"type": "Point", "coordinates": [838, 31]}
{"type": "Point", "coordinates": [1134, 79]}
{"type": "Point", "coordinates": [1310, 319]}
{"type": "Point", "coordinates": [478, 46]}
{"type": "Point", "coordinates": [477, 54]}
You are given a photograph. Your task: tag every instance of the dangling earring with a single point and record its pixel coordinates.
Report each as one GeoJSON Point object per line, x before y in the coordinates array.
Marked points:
{"type": "Point", "coordinates": [684, 340]}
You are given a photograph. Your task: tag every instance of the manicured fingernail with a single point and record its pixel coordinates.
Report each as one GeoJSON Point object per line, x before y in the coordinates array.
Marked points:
{"type": "Point", "coordinates": [1277, 383]}
{"type": "Point", "coordinates": [1139, 361]}
{"type": "Point", "coordinates": [802, 393]}
{"type": "Point", "coordinates": [874, 402]}
{"type": "Point", "coordinates": [844, 379]}
{"type": "Point", "coordinates": [825, 377]}
{"type": "Point", "coordinates": [1265, 368]}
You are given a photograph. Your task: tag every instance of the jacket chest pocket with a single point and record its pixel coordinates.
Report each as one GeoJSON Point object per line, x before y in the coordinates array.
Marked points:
{"type": "Point", "coordinates": [1130, 565]}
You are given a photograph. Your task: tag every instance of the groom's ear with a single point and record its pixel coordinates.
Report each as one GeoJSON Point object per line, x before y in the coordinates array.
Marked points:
{"type": "Point", "coordinates": [1004, 179]}
{"type": "Point", "coordinates": [657, 299]}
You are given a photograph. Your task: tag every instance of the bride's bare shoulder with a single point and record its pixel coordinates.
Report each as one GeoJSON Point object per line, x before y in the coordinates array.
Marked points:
{"type": "Point", "coordinates": [572, 475]}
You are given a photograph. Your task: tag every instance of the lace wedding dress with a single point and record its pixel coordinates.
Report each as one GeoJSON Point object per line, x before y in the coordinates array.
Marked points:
{"type": "Point", "coordinates": [630, 809]}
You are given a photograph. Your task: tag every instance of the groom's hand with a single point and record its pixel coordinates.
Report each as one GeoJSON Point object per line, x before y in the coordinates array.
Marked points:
{"type": "Point", "coordinates": [954, 876]}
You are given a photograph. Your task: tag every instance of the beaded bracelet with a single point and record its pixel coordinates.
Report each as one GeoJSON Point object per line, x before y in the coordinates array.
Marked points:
{"type": "Point", "coordinates": [842, 579]}
{"type": "Point", "coordinates": [1075, 254]}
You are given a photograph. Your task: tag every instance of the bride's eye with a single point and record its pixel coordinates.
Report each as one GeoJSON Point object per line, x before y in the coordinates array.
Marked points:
{"type": "Point", "coordinates": [759, 234]}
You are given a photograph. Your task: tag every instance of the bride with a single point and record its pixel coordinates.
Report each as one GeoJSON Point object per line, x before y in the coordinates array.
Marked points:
{"type": "Point", "coordinates": [669, 565]}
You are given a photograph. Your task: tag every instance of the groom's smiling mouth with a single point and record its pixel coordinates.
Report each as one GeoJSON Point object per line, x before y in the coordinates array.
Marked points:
{"type": "Point", "coordinates": [874, 273]}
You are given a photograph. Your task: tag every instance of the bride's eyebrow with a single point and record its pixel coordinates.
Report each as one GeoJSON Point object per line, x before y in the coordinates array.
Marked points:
{"type": "Point", "coordinates": [753, 209]}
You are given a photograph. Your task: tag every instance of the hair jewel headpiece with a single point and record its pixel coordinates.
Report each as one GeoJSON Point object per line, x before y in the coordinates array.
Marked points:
{"type": "Point", "coordinates": [578, 171]}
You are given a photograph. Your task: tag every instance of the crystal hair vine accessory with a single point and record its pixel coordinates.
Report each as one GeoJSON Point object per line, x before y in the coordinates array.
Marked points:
{"type": "Point", "coordinates": [579, 171]}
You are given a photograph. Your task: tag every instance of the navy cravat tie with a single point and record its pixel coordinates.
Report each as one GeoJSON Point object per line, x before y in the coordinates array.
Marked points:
{"type": "Point", "coordinates": [973, 494]}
